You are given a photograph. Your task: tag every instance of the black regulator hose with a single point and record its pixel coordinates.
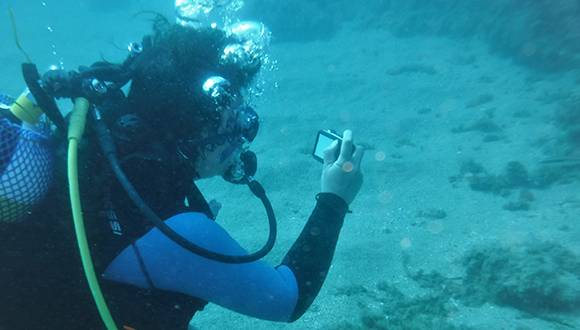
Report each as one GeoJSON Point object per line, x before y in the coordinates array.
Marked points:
{"type": "Point", "coordinates": [45, 102]}
{"type": "Point", "coordinates": [108, 147]}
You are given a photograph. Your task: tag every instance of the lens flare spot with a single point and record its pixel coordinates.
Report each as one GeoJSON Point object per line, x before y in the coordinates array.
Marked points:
{"type": "Point", "coordinates": [380, 156]}
{"type": "Point", "coordinates": [405, 243]}
{"type": "Point", "coordinates": [449, 105]}
{"type": "Point", "coordinates": [347, 166]}
{"type": "Point", "coordinates": [345, 116]}
{"type": "Point", "coordinates": [528, 49]}
{"type": "Point", "coordinates": [286, 130]}
{"type": "Point", "coordinates": [315, 231]}
{"type": "Point", "coordinates": [435, 227]}
{"type": "Point", "coordinates": [284, 161]}
{"type": "Point", "coordinates": [385, 197]}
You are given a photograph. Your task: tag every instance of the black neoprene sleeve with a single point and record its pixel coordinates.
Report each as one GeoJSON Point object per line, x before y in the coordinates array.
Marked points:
{"type": "Point", "coordinates": [311, 255]}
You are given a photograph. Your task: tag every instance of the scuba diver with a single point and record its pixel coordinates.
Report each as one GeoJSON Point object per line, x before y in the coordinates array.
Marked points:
{"type": "Point", "coordinates": [155, 253]}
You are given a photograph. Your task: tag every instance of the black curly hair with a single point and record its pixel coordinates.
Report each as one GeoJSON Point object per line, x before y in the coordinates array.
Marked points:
{"type": "Point", "coordinates": [166, 89]}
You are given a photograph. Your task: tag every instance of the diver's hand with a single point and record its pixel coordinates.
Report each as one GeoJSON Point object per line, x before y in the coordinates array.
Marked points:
{"type": "Point", "coordinates": [60, 83]}
{"type": "Point", "coordinates": [342, 176]}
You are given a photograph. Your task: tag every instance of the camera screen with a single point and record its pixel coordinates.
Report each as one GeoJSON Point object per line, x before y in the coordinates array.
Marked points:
{"type": "Point", "coordinates": [323, 140]}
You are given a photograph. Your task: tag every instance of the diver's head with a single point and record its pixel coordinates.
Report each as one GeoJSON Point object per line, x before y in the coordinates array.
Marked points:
{"type": "Point", "coordinates": [226, 152]}
{"type": "Point", "coordinates": [188, 89]}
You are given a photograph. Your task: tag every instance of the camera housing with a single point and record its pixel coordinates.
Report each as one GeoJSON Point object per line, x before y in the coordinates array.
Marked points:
{"type": "Point", "coordinates": [324, 139]}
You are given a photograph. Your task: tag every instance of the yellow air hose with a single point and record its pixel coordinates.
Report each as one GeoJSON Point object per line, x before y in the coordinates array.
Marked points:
{"type": "Point", "coordinates": [75, 132]}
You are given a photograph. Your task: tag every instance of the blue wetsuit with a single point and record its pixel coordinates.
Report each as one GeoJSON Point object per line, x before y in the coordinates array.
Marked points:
{"type": "Point", "coordinates": [254, 289]}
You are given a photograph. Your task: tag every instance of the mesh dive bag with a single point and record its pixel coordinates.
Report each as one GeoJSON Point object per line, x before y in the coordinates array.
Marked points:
{"type": "Point", "coordinates": [26, 167]}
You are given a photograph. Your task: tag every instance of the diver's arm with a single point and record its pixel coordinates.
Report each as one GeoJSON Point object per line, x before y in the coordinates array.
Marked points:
{"type": "Point", "coordinates": [311, 255]}
{"type": "Point", "coordinates": [255, 289]}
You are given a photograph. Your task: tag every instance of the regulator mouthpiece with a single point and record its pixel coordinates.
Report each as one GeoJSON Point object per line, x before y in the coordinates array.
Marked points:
{"type": "Point", "coordinates": [243, 168]}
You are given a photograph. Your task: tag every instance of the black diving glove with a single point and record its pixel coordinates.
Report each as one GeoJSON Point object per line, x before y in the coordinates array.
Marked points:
{"type": "Point", "coordinates": [60, 83]}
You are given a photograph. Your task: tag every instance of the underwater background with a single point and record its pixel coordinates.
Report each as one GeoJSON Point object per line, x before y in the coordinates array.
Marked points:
{"type": "Point", "coordinates": [469, 112]}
